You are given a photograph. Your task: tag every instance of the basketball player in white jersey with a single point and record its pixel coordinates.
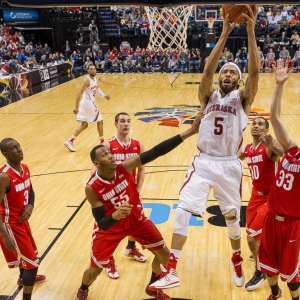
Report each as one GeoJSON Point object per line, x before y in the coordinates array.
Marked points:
{"type": "Point", "coordinates": [87, 112]}
{"type": "Point", "coordinates": [217, 166]}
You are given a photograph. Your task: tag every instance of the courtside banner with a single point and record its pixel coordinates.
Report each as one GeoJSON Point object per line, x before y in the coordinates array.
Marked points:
{"type": "Point", "coordinates": [20, 16]}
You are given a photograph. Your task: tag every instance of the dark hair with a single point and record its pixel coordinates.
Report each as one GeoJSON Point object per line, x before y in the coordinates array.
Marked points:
{"type": "Point", "coordinates": [93, 152]}
{"type": "Point", "coordinates": [3, 144]}
{"type": "Point", "coordinates": [118, 115]}
{"type": "Point", "coordinates": [266, 121]}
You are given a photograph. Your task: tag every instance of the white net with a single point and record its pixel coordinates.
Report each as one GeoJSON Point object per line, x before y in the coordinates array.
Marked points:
{"type": "Point", "coordinates": [168, 26]}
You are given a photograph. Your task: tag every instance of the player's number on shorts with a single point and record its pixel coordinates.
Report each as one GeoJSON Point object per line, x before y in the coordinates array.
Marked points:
{"type": "Point", "coordinates": [285, 180]}
{"type": "Point", "coordinates": [254, 172]}
{"type": "Point", "coordinates": [122, 197]}
{"type": "Point", "coordinates": [218, 126]}
{"type": "Point", "coordinates": [26, 197]}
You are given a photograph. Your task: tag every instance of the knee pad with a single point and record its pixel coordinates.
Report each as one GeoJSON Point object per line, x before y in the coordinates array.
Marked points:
{"type": "Point", "coordinates": [182, 218]}
{"type": "Point", "coordinates": [293, 286]}
{"type": "Point", "coordinates": [29, 277]}
{"type": "Point", "coordinates": [234, 229]}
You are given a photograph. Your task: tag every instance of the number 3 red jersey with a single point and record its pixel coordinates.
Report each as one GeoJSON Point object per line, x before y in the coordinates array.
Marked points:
{"type": "Point", "coordinates": [262, 168]}
{"type": "Point", "coordinates": [121, 152]}
{"type": "Point", "coordinates": [16, 199]}
{"type": "Point", "coordinates": [284, 195]}
{"type": "Point", "coordinates": [115, 191]}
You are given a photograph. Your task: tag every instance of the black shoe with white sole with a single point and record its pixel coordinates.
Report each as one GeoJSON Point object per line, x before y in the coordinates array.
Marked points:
{"type": "Point", "coordinates": [255, 282]}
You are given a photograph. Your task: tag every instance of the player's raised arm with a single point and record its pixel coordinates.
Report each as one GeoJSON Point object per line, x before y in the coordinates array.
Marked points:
{"type": "Point", "coordinates": [282, 136]}
{"type": "Point", "coordinates": [84, 85]}
{"type": "Point", "coordinates": [163, 148]}
{"type": "Point", "coordinates": [274, 150]}
{"type": "Point", "coordinates": [251, 85]}
{"type": "Point", "coordinates": [4, 185]}
{"type": "Point", "coordinates": [205, 87]}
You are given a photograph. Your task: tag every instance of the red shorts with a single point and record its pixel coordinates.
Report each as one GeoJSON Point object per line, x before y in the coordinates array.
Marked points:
{"type": "Point", "coordinates": [104, 243]}
{"type": "Point", "coordinates": [255, 214]}
{"type": "Point", "coordinates": [279, 249]}
{"type": "Point", "coordinates": [26, 254]}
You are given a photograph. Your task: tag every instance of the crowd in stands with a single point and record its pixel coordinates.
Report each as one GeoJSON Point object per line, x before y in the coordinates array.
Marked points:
{"type": "Point", "coordinates": [276, 30]}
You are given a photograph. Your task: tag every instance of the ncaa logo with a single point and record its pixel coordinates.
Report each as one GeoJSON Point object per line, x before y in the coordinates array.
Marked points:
{"type": "Point", "coordinates": [44, 74]}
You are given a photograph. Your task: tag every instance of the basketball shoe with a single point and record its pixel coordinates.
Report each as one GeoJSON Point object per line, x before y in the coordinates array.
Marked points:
{"type": "Point", "coordinates": [38, 279]}
{"type": "Point", "coordinates": [81, 295]}
{"type": "Point", "coordinates": [168, 279]}
{"type": "Point", "coordinates": [258, 278]}
{"type": "Point", "coordinates": [112, 271]}
{"type": "Point", "coordinates": [69, 145]}
{"type": "Point", "coordinates": [135, 254]}
{"type": "Point", "coordinates": [238, 274]}
{"type": "Point", "coordinates": [273, 297]}
{"type": "Point", "coordinates": [159, 295]}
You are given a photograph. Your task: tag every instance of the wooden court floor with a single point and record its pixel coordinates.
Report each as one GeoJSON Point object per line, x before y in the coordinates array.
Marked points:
{"type": "Point", "coordinates": [62, 222]}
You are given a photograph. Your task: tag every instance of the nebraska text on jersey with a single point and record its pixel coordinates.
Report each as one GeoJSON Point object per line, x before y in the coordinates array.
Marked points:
{"type": "Point", "coordinates": [290, 167]}
{"type": "Point", "coordinates": [117, 189]}
{"type": "Point", "coordinates": [223, 108]}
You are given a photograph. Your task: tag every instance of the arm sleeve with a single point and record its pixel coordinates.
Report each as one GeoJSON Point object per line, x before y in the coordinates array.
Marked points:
{"type": "Point", "coordinates": [104, 222]}
{"type": "Point", "coordinates": [160, 149]}
{"type": "Point", "coordinates": [31, 196]}
{"type": "Point", "coordinates": [100, 93]}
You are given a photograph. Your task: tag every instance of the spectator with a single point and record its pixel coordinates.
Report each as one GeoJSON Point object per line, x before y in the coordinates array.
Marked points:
{"type": "Point", "coordinates": [270, 54]}
{"type": "Point", "coordinates": [148, 65]}
{"type": "Point", "coordinates": [261, 57]}
{"type": "Point", "coordinates": [183, 60]}
{"type": "Point", "coordinates": [243, 60]}
{"type": "Point", "coordinates": [173, 64]}
{"type": "Point", "coordinates": [5, 67]}
{"type": "Point", "coordinates": [268, 42]}
{"type": "Point", "coordinates": [46, 50]}
{"type": "Point", "coordinates": [296, 58]}
{"type": "Point", "coordinates": [193, 60]}
{"type": "Point", "coordinates": [156, 65]}
{"type": "Point", "coordinates": [272, 24]}
{"type": "Point", "coordinates": [95, 48]}
{"type": "Point", "coordinates": [128, 65]}
{"type": "Point", "coordinates": [93, 28]}
{"type": "Point", "coordinates": [283, 38]}
{"type": "Point", "coordinates": [22, 57]}
{"type": "Point", "coordinates": [145, 27]}
{"type": "Point", "coordinates": [38, 54]}
{"type": "Point", "coordinates": [43, 61]}
{"type": "Point", "coordinates": [50, 60]}
{"type": "Point", "coordinates": [87, 63]}
{"type": "Point", "coordinates": [99, 60]}
{"type": "Point", "coordinates": [284, 54]}
{"type": "Point", "coordinates": [67, 49]}
{"type": "Point", "coordinates": [3, 71]}
{"type": "Point", "coordinates": [115, 65]}
{"type": "Point", "coordinates": [272, 63]}
{"type": "Point", "coordinates": [139, 65]}
{"type": "Point", "coordinates": [289, 62]}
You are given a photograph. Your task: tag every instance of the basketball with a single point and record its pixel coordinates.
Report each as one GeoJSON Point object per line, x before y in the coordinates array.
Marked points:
{"type": "Point", "coordinates": [235, 12]}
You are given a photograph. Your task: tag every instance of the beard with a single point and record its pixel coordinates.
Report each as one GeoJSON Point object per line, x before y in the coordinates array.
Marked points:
{"type": "Point", "coordinates": [229, 88]}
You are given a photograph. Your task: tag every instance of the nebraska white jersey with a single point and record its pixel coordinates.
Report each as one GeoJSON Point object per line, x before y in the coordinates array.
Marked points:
{"type": "Point", "coordinates": [90, 92]}
{"type": "Point", "coordinates": [222, 129]}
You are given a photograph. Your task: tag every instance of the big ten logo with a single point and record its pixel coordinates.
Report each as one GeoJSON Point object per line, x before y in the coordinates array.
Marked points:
{"type": "Point", "coordinates": [160, 214]}
{"type": "Point", "coordinates": [44, 73]}
{"type": "Point", "coordinates": [46, 85]}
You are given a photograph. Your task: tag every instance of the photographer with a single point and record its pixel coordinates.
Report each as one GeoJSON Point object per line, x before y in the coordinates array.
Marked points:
{"type": "Point", "coordinates": [93, 32]}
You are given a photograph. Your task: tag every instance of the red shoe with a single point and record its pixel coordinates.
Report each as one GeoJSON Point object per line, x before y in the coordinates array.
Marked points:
{"type": "Point", "coordinates": [272, 297]}
{"type": "Point", "coordinates": [38, 279]}
{"type": "Point", "coordinates": [159, 294]}
{"type": "Point", "coordinates": [112, 271]}
{"type": "Point", "coordinates": [81, 295]}
{"type": "Point", "coordinates": [135, 254]}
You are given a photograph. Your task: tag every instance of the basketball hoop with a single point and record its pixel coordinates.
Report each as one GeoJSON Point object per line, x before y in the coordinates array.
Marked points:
{"type": "Point", "coordinates": [210, 23]}
{"type": "Point", "coordinates": [168, 26]}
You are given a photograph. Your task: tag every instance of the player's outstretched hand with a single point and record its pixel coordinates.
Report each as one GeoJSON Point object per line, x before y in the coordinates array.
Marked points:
{"type": "Point", "coordinates": [9, 243]}
{"type": "Point", "coordinates": [227, 26]}
{"type": "Point", "coordinates": [282, 74]}
{"type": "Point", "coordinates": [26, 213]}
{"type": "Point", "coordinates": [75, 111]}
{"type": "Point", "coordinates": [197, 121]}
{"type": "Point", "coordinates": [266, 139]}
{"type": "Point", "coordinates": [123, 211]}
{"type": "Point", "coordinates": [251, 19]}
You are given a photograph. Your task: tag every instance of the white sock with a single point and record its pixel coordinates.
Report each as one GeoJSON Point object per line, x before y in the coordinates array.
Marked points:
{"type": "Point", "coordinates": [235, 251]}
{"type": "Point", "coordinates": [176, 253]}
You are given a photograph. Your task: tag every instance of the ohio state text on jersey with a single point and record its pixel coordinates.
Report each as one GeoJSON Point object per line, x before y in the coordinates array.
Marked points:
{"type": "Point", "coordinates": [17, 198]}
{"type": "Point", "coordinates": [116, 191]}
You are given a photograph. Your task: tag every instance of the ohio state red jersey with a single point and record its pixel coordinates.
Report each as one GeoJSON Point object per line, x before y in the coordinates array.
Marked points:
{"type": "Point", "coordinates": [121, 152]}
{"type": "Point", "coordinates": [115, 191]}
{"type": "Point", "coordinates": [17, 198]}
{"type": "Point", "coordinates": [262, 168]}
{"type": "Point", "coordinates": [284, 195]}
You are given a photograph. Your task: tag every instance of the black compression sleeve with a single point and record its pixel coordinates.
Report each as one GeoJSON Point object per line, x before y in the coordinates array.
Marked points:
{"type": "Point", "coordinates": [104, 222]}
{"type": "Point", "coordinates": [31, 196]}
{"type": "Point", "coordinates": [160, 149]}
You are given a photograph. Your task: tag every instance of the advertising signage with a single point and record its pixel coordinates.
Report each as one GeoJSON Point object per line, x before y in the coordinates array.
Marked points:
{"type": "Point", "coordinates": [20, 16]}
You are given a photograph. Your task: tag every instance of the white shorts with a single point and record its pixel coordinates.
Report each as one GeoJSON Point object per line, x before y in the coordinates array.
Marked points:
{"type": "Point", "coordinates": [223, 174]}
{"type": "Point", "coordinates": [88, 112]}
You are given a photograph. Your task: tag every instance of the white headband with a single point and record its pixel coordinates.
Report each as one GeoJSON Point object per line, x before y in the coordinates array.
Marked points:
{"type": "Point", "coordinates": [231, 64]}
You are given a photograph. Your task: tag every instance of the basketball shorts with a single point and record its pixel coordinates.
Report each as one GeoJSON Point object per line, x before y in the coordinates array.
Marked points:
{"type": "Point", "coordinates": [104, 243]}
{"type": "Point", "coordinates": [222, 174]}
{"type": "Point", "coordinates": [88, 112]}
{"type": "Point", "coordinates": [278, 252]}
{"type": "Point", "coordinates": [255, 214]}
{"type": "Point", "coordinates": [26, 254]}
